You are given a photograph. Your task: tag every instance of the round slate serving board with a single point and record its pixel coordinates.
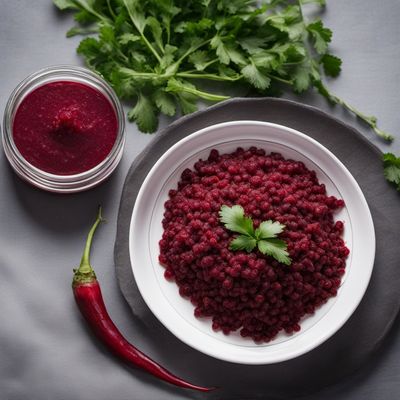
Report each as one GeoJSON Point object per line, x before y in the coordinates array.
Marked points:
{"type": "Point", "coordinates": [348, 349]}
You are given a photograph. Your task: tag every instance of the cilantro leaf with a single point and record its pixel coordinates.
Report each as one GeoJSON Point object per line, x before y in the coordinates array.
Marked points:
{"type": "Point", "coordinates": [275, 248]}
{"type": "Point", "coordinates": [269, 229]}
{"type": "Point", "coordinates": [322, 36]}
{"type": "Point", "coordinates": [331, 64]}
{"type": "Point", "coordinates": [256, 77]}
{"type": "Point", "coordinates": [235, 55]}
{"type": "Point", "coordinates": [84, 17]}
{"type": "Point", "coordinates": [302, 79]}
{"type": "Point", "coordinates": [243, 242]}
{"type": "Point", "coordinates": [391, 165]}
{"type": "Point", "coordinates": [265, 59]}
{"type": "Point", "coordinates": [295, 31]}
{"type": "Point", "coordinates": [235, 220]}
{"type": "Point", "coordinates": [187, 103]}
{"type": "Point", "coordinates": [165, 102]}
{"type": "Point", "coordinates": [90, 48]}
{"type": "Point", "coordinates": [144, 114]}
{"type": "Point", "coordinates": [194, 27]}
{"type": "Point", "coordinates": [264, 237]}
{"type": "Point", "coordinates": [220, 49]}
{"type": "Point", "coordinates": [252, 44]}
{"type": "Point", "coordinates": [76, 30]}
{"type": "Point", "coordinates": [156, 30]}
{"type": "Point", "coordinates": [66, 4]}
{"type": "Point", "coordinates": [200, 59]}
{"type": "Point", "coordinates": [126, 38]}
{"type": "Point", "coordinates": [168, 58]}
{"type": "Point", "coordinates": [137, 17]}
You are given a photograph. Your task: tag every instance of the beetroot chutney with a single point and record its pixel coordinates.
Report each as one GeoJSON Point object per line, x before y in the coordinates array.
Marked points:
{"type": "Point", "coordinates": [65, 127]}
{"type": "Point", "coordinates": [251, 292]}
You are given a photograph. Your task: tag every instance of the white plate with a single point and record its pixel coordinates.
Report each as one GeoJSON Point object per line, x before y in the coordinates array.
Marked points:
{"type": "Point", "coordinates": [176, 313]}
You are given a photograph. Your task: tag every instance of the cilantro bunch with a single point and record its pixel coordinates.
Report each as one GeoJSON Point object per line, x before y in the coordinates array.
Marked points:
{"type": "Point", "coordinates": [163, 55]}
{"type": "Point", "coordinates": [264, 237]}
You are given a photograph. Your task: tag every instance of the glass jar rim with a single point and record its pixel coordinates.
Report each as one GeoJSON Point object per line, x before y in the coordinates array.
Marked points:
{"type": "Point", "coordinates": [46, 180]}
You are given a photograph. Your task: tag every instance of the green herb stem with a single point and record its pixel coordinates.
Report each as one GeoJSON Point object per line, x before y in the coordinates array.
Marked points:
{"type": "Point", "coordinates": [203, 95]}
{"type": "Point", "coordinates": [110, 9]}
{"type": "Point", "coordinates": [152, 75]}
{"type": "Point", "coordinates": [369, 120]}
{"type": "Point", "coordinates": [143, 75]}
{"type": "Point", "coordinates": [211, 63]}
{"type": "Point", "coordinates": [212, 77]}
{"type": "Point", "coordinates": [279, 79]}
{"type": "Point", "coordinates": [151, 48]}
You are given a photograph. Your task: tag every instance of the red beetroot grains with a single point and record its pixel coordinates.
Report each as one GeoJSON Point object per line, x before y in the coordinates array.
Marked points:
{"type": "Point", "coordinates": [250, 291]}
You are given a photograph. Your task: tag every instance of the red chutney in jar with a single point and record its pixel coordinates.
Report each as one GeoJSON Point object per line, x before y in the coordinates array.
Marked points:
{"type": "Point", "coordinates": [65, 127]}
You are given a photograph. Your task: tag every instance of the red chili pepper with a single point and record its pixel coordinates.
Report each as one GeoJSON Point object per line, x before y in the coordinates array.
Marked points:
{"type": "Point", "coordinates": [89, 299]}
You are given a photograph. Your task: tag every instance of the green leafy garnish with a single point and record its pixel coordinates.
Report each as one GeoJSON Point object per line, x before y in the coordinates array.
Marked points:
{"type": "Point", "coordinates": [332, 65]}
{"type": "Point", "coordinates": [321, 35]}
{"type": "Point", "coordinates": [163, 55]}
{"type": "Point", "coordinates": [264, 237]}
{"type": "Point", "coordinates": [391, 165]}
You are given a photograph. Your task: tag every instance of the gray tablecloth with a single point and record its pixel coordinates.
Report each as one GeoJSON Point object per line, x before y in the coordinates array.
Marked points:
{"type": "Point", "coordinates": [45, 350]}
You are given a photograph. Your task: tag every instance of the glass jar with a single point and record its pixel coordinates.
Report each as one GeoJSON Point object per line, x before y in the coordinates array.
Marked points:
{"type": "Point", "coordinates": [48, 181]}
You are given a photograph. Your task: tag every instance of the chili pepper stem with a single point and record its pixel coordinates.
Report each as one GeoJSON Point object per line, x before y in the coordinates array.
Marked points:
{"type": "Point", "coordinates": [85, 273]}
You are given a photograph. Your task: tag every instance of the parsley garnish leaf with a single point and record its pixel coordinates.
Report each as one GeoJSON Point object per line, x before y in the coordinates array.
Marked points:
{"type": "Point", "coordinates": [269, 229]}
{"type": "Point", "coordinates": [235, 220]}
{"type": "Point", "coordinates": [276, 248]}
{"type": "Point", "coordinates": [264, 237]}
{"type": "Point", "coordinates": [243, 242]}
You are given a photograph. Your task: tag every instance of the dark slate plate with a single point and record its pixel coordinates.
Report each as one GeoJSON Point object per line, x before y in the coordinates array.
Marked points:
{"type": "Point", "coordinates": [348, 349]}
